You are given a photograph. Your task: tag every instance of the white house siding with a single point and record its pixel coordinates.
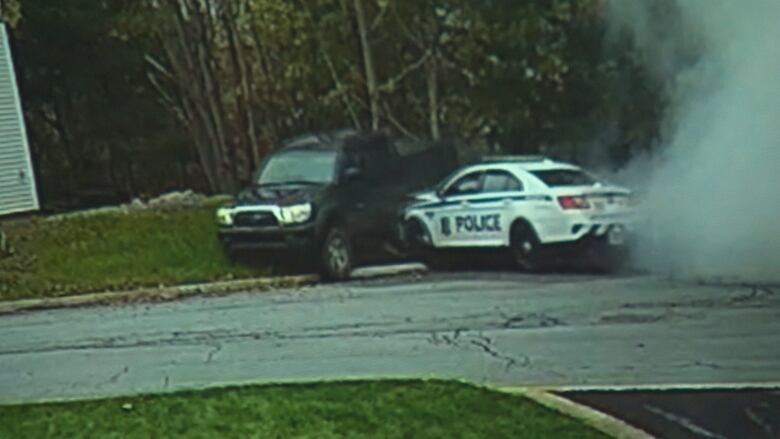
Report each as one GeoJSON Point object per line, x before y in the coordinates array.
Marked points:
{"type": "Point", "coordinates": [17, 182]}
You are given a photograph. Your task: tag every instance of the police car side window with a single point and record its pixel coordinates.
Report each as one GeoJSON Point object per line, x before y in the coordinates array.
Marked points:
{"type": "Point", "coordinates": [500, 181]}
{"type": "Point", "coordinates": [468, 184]}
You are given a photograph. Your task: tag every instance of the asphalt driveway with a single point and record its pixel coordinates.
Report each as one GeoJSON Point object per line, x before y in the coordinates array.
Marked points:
{"type": "Point", "coordinates": [567, 331]}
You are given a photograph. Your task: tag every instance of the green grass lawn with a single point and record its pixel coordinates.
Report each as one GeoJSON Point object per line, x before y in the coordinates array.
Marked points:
{"type": "Point", "coordinates": [114, 251]}
{"type": "Point", "coordinates": [385, 409]}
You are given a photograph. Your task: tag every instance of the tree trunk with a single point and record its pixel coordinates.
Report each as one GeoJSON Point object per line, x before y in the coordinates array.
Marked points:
{"type": "Point", "coordinates": [243, 102]}
{"type": "Point", "coordinates": [196, 82]}
{"type": "Point", "coordinates": [184, 70]}
{"type": "Point", "coordinates": [270, 130]}
{"type": "Point", "coordinates": [341, 89]}
{"type": "Point", "coordinates": [432, 80]}
{"type": "Point", "coordinates": [368, 63]}
{"type": "Point", "coordinates": [213, 110]}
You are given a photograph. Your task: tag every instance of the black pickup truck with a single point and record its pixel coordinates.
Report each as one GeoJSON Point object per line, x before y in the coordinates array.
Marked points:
{"type": "Point", "coordinates": [330, 199]}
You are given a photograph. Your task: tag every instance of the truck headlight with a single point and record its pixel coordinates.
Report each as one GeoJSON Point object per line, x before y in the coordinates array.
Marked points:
{"type": "Point", "coordinates": [225, 216]}
{"type": "Point", "coordinates": [297, 214]}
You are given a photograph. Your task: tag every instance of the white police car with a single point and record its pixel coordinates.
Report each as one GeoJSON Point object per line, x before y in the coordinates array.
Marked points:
{"type": "Point", "coordinates": [534, 206]}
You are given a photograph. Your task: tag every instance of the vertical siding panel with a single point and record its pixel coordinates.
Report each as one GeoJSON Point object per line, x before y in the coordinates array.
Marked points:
{"type": "Point", "coordinates": [17, 193]}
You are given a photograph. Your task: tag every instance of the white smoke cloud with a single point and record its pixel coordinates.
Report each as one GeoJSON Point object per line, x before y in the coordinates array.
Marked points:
{"type": "Point", "coordinates": [714, 194]}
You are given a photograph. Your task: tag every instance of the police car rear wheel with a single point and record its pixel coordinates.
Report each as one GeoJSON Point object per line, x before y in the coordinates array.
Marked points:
{"type": "Point", "coordinates": [336, 255]}
{"type": "Point", "coordinates": [525, 246]}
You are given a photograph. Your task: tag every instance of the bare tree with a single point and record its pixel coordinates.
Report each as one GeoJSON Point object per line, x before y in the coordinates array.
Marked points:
{"type": "Point", "coordinates": [368, 64]}
{"type": "Point", "coordinates": [243, 102]}
{"type": "Point", "coordinates": [205, 80]}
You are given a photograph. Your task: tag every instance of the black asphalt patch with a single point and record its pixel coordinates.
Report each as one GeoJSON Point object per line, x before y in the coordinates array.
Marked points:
{"type": "Point", "coordinates": [700, 414]}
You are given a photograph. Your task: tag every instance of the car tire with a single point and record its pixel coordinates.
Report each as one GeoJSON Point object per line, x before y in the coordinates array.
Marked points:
{"type": "Point", "coordinates": [421, 247]}
{"type": "Point", "coordinates": [336, 255]}
{"type": "Point", "coordinates": [525, 247]}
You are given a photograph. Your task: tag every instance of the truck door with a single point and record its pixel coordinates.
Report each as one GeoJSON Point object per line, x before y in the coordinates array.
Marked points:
{"type": "Point", "coordinates": [365, 200]}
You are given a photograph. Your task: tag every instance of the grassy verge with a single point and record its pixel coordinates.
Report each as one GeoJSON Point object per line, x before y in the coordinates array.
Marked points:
{"type": "Point", "coordinates": [114, 251]}
{"type": "Point", "coordinates": [369, 409]}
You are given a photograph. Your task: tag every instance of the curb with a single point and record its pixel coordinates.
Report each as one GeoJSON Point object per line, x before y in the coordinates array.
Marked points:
{"type": "Point", "coordinates": [168, 294]}
{"type": "Point", "coordinates": [601, 421]}
{"type": "Point", "coordinates": [165, 294]}
{"type": "Point", "coordinates": [391, 270]}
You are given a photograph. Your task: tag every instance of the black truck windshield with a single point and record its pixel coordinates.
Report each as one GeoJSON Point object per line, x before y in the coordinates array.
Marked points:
{"type": "Point", "coordinates": [565, 177]}
{"type": "Point", "coordinates": [302, 166]}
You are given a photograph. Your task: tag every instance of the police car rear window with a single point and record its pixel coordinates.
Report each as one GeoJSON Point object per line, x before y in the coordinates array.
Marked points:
{"type": "Point", "coordinates": [564, 177]}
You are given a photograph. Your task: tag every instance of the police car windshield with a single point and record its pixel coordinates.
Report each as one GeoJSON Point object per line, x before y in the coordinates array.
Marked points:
{"type": "Point", "coordinates": [565, 177]}
{"type": "Point", "coordinates": [300, 166]}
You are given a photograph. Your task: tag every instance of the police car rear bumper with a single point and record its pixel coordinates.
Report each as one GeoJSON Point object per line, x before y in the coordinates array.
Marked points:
{"type": "Point", "coordinates": [612, 234]}
{"type": "Point", "coordinates": [269, 239]}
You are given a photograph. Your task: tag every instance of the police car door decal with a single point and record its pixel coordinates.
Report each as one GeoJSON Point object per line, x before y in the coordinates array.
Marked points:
{"type": "Point", "coordinates": [469, 220]}
{"type": "Point", "coordinates": [462, 221]}
{"type": "Point", "coordinates": [480, 222]}
{"type": "Point", "coordinates": [484, 217]}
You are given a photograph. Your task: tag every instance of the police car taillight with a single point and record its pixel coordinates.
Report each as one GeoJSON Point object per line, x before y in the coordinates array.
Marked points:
{"type": "Point", "coordinates": [570, 202]}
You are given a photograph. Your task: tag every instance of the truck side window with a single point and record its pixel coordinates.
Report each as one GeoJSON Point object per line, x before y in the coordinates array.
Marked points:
{"type": "Point", "coordinates": [468, 184]}
{"type": "Point", "coordinates": [501, 181]}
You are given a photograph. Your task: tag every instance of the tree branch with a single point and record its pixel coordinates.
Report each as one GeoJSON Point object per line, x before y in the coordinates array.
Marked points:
{"type": "Point", "coordinates": [393, 82]}
{"type": "Point", "coordinates": [397, 124]}
{"type": "Point", "coordinates": [379, 17]}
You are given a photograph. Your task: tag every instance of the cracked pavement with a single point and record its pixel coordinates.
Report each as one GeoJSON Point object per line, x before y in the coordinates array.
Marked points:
{"type": "Point", "coordinates": [497, 328]}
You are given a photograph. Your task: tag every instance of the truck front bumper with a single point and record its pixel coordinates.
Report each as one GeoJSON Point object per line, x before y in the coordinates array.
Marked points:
{"type": "Point", "coordinates": [292, 239]}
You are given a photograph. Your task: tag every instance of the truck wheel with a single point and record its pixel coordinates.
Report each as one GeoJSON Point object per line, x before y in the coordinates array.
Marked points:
{"type": "Point", "coordinates": [336, 255]}
{"type": "Point", "coordinates": [525, 246]}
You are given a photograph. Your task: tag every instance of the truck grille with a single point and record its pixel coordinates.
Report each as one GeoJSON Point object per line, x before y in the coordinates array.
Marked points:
{"type": "Point", "coordinates": [255, 219]}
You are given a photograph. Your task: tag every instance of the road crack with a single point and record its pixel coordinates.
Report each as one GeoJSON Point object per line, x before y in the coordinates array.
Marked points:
{"type": "Point", "coordinates": [699, 363]}
{"type": "Point", "coordinates": [210, 356]}
{"type": "Point", "coordinates": [481, 342]}
{"type": "Point", "coordinates": [756, 292]}
{"type": "Point", "coordinates": [115, 378]}
{"type": "Point", "coordinates": [541, 320]}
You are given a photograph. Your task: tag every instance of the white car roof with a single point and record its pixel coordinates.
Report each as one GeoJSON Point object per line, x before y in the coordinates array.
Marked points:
{"type": "Point", "coordinates": [542, 164]}
{"type": "Point", "coordinates": [521, 167]}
